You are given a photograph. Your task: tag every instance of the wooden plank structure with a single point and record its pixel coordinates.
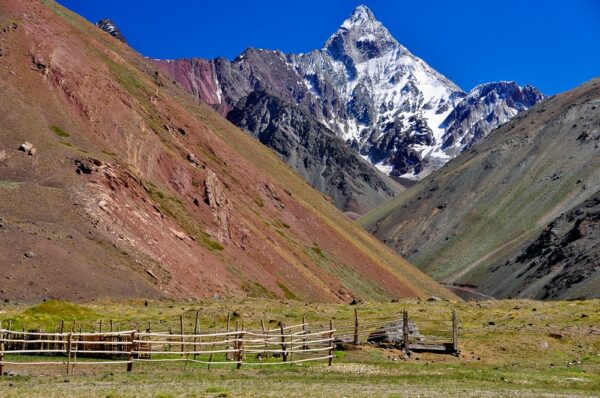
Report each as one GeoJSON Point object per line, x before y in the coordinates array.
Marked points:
{"type": "Point", "coordinates": [441, 335]}
{"type": "Point", "coordinates": [281, 345]}
{"type": "Point", "coordinates": [236, 347]}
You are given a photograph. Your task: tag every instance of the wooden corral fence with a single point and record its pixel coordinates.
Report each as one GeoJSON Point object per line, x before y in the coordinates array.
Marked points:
{"type": "Point", "coordinates": [417, 332]}
{"type": "Point", "coordinates": [233, 346]}
{"type": "Point", "coordinates": [282, 345]}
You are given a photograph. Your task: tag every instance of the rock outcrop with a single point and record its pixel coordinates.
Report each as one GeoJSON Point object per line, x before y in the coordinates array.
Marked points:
{"type": "Point", "coordinates": [565, 255]}
{"type": "Point", "coordinates": [109, 27]}
{"type": "Point", "coordinates": [216, 197]}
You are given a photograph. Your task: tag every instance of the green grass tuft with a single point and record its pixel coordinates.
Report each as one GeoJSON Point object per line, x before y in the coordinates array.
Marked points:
{"type": "Point", "coordinates": [60, 132]}
{"type": "Point", "coordinates": [287, 292]}
{"type": "Point", "coordinates": [8, 184]}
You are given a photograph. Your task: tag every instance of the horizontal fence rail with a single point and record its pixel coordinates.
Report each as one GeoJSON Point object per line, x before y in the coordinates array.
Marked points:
{"type": "Point", "coordinates": [292, 344]}
{"type": "Point", "coordinates": [236, 346]}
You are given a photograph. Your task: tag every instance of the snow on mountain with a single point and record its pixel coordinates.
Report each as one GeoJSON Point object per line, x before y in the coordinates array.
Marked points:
{"type": "Point", "coordinates": [387, 92]}
{"type": "Point", "coordinates": [486, 107]}
{"type": "Point", "coordinates": [384, 102]}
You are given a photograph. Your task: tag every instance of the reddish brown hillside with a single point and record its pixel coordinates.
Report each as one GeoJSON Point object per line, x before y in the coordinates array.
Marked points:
{"type": "Point", "coordinates": [134, 189]}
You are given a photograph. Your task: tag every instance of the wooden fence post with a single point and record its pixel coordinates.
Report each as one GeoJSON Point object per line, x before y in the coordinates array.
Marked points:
{"type": "Point", "coordinates": [227, 356]}
{"type": "Point", "coordinates": [130, 356]}
{"type": "Point", "coordinates": [266, 338]}
{"type": "Point", "coordinates": [330, 361]}
{"type": "Point", "coordinates": [454, 333]}
{"type": "Point", "coordinates": [211, 354]}
{"type": "Point", "coordinates": [69, 351]}
{"type": "Point", "coordinates": [283, 348]}
{"type": "Point", "coordinates": [1, 350]}
{"type": "Point", "coordinates": [182, 339]}
{"type": "Point", "coordinates": [149, 338]}
{"type": "Point", "coordinates": [405, 332]}
{"type": "Point", "coordinates": [291, 346]}
{"type": "Point", "coordinates": [240, 347]}
{"type": "Point", "coordinates": [196, 331]}
{"type": "Point", "coordinates": [25, 337]}
{"type": "Point", "coordinates": [9, 334]}
{"type": "Point", "coordinates": [355, 327]}
{"type": "Point", "coordinates": [78, 337]}
{"type": "Point", "coordinates": [305, 344]}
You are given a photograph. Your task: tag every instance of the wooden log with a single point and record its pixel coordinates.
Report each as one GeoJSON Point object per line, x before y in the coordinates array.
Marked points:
{"type": "Point", "coordinates": [130, 356]}
{"type": "Point", "coordinates": [330, 361]}
{"type": "Point", "coordinates": [283, 347]}
{"type": "Point", "coordinates": [355, 327]}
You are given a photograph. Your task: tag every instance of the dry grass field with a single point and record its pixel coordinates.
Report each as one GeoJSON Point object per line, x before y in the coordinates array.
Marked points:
{"type": "Point", "coordinates": [508, 348]}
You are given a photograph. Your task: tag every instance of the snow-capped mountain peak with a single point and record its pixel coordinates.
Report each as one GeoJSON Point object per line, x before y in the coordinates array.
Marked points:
{"type": "Point", "coordinates": [361, 15]}
{"type": "Point", "coordinates": [386, 103]}
{"type": "Point", "coordinates": [361, 36]}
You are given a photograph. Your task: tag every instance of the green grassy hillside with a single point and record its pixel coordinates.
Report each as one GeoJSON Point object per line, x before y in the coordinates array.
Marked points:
{"type": "Point", "coordinates": [482, 207]}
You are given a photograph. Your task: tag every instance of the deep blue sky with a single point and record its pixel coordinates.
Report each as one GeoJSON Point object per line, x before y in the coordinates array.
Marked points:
{"type": "Point", "coordinates": [553, 45]}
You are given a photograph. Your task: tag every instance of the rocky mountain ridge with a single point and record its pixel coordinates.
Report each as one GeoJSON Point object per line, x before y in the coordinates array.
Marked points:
{"type": "Point", "coordinates": [109, 27]}
{"type": "Point", "coordinates": [384, 102]}
{"type": "Point", "coordinates": [515, 214]}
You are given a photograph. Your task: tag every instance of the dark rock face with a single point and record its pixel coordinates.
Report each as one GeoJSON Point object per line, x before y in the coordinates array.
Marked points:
{"type": "Point", "coordinates": [566, 253]}
{"type": "Point", "coordinates": [109, 27]}
{"type": "Point", "coordinates": [313, 151]}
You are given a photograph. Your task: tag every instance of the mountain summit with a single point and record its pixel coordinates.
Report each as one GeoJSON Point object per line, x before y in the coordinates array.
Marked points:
{"type": "Point", "coordinates": [109, 27]}
{"type": "Point", "coordinates": [385, 103]}
{"type": "Point", "coordinates": [361, 36]}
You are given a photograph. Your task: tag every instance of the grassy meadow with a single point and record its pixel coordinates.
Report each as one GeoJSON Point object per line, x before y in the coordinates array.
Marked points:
{"type": "Point", "coordinates": [508, 348]}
